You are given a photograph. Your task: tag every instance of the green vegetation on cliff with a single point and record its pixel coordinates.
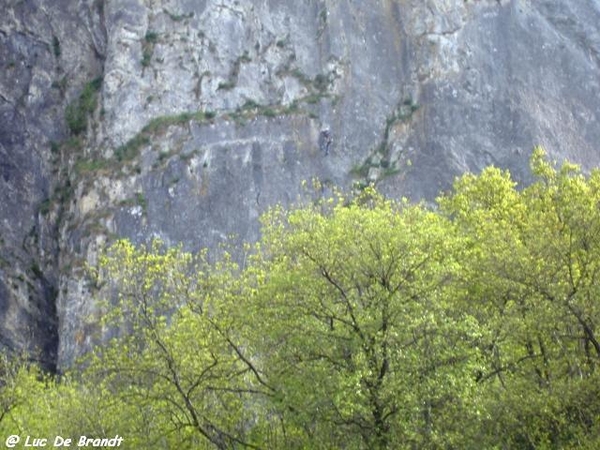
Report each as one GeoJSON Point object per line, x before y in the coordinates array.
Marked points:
{"type": "Point", "coordinates": [78, 112]}
{"type": "Point", "coordinates": [353, 323]}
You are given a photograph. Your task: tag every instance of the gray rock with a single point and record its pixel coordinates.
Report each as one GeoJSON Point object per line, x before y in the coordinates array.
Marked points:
{"type": "Point", "coordinates": [212, 111]}
{"type": "Point", "coordinates": [44, 54]}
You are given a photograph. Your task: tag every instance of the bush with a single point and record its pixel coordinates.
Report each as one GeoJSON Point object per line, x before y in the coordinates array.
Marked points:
{"type": "Point", "coordinates": [78, 111]}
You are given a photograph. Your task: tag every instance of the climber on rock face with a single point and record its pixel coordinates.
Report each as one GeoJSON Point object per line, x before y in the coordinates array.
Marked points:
{"type": "Point", "coordinates": [325, 141]}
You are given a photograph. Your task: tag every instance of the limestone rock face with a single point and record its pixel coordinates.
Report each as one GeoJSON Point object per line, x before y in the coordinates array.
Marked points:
{"type": "Point", "coordinates": [45, 54]}
{"type": "Point", "coordinates": [186, 119]}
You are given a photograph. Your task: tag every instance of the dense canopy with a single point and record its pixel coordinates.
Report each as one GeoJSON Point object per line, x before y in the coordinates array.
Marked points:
{"type": "Point", "coordinates": [356, 323]}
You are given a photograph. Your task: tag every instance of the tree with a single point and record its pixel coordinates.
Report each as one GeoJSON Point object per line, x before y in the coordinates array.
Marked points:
{"type": "Point", "coordinates": [531, 264]}
{"type": "Point", "coordinates": [174, 354]}
{"type": "Point", "coordinates": [15, 381]}
{"type": "Point", "coordinates": [355, 323]}
{"type": "Point", "coordinates": [361, 337]}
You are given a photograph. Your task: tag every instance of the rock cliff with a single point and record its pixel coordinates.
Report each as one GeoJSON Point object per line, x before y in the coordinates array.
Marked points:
{"type": "Point", "coordinates": [186, 119]}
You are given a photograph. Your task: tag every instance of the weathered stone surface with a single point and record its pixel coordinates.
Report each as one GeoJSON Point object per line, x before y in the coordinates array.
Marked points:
{"type": "Point", "coordinates": [510, 76]}
{"type": "Point", "coordinates": [210, 111]}
{"type": "Point", "coordinates": [43, 54]}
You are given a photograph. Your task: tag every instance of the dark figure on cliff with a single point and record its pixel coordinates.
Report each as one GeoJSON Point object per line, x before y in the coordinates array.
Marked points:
{"type": "Point", "coordinates": [325, 141]}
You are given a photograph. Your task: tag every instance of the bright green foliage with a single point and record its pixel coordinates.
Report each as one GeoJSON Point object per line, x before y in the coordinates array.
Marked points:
{"type": "Point", "coordinates": [37, 405]}
{"type": "Point", "coordinates": [17, 382]}
{"type": "Point", "coordinates": [357, 323]}
{"type": "Point", "coordinates": [176, 355]}
{"type": "Point", "coordinates": [69, 409]}
{"type": "Point", "coordinates": [531, 267]}
{"type": "Point", "coordinates": [365, 345]}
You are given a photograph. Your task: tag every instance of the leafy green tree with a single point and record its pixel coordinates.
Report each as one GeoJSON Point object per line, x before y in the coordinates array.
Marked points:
{"type": "Point", "coordinates": [361, 337]}
{"type": "Point", "coordinates": [174, 354]}
{"type": "Point", "coordinates": [355, 323]}
{"type": "Point", "coordinates": [45, 406]}
{"type": "Point", "coordinates": [16, 381]}
{"type": "Point", "coordinates": [531, 265]}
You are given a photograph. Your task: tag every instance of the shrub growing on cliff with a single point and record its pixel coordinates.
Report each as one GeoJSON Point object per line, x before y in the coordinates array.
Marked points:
{"type": "Point", "coordinates": [78, 112]}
